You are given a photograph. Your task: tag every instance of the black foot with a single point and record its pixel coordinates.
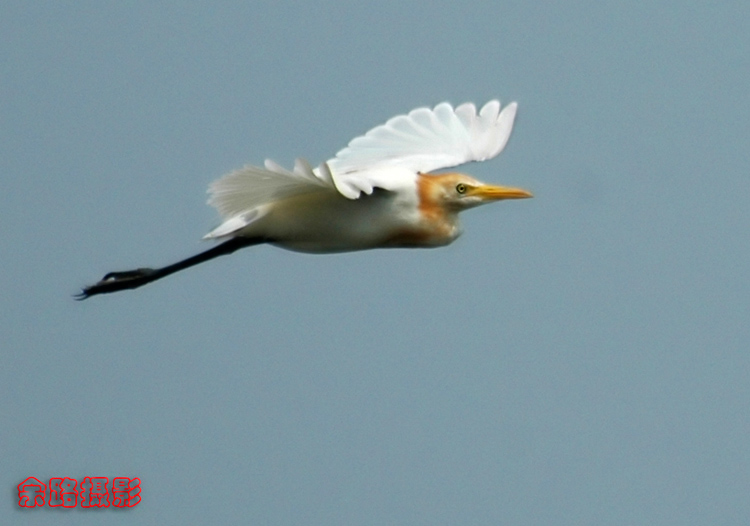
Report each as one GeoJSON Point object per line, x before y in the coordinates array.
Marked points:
{"type": "Point", "coordinates": [114, 281]}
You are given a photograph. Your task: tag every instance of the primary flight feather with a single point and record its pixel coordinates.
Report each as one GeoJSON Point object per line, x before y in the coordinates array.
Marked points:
{"type": "Point", "coordinates": [377, 192]}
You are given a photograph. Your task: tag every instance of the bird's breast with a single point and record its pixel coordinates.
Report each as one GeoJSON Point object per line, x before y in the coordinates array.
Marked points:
{"type": "Point", "coordinates": [328, 222]}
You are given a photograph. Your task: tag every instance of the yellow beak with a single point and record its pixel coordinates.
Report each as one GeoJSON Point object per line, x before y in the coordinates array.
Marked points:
{"type": "Point", "coordinates": [494, 193]}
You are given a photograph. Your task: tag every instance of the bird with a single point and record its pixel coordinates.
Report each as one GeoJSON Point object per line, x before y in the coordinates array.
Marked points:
{"type": "Point", "coordinates": [380, 191]}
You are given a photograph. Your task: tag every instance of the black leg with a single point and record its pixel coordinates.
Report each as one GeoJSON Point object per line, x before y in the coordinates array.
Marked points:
{"type": "Point", "coordinates": [132, 279]}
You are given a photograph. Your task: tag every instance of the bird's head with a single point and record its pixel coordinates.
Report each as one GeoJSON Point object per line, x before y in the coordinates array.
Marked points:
{"type": "Point", "coordinates": [457, 191]}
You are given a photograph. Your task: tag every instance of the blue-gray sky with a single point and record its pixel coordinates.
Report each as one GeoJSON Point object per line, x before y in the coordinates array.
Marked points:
{"type": "Point", "coordinates": [578, 358]}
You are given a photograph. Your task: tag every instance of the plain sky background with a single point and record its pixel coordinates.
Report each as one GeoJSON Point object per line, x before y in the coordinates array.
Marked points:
{"type": "Point", "coordinates": [578, 358]}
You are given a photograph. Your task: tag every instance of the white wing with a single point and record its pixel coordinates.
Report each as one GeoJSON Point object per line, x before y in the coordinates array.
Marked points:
{"type": "Point", "coordinates": [422, 141]}
{"type": "Point", "coordinates": [388, 156]}
{"type": "Point", "coordinates": [243, 196]}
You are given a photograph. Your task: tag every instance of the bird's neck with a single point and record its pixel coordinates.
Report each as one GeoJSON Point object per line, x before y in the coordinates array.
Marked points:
{"type": "Point", "coordinates": [440, 220]}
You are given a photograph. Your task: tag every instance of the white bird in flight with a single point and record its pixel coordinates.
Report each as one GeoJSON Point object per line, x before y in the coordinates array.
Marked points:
{"type": "Point", "coordinates": [377, 192]}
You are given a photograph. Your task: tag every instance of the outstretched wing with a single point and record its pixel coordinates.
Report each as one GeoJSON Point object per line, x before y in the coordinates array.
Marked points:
{"type": "Point", "coordinates": [243, 196]}
{"type": "Point", "coordinates": [388, 156]}
{"type": "Point", "coordinates": [424, 140]}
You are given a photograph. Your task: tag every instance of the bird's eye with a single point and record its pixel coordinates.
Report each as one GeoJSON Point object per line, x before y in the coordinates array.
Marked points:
{"type": "Point", "coordinates": [461, 188]}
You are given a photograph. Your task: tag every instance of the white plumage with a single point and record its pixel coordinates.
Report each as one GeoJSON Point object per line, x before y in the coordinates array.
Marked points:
{"type": "Point", "coordinates": [420, 142]}
{"type": "Point", "coordinates": [375, 193]}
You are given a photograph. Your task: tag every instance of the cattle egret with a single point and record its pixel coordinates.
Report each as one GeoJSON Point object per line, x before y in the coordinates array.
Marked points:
{"type": "Point", "coordinates": [377, 192]}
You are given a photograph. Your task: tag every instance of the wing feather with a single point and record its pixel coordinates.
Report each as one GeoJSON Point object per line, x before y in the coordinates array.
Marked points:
{"type": "Point", "coordinates": [243, 196]}
{"type": "Point", "coordinates": [389, 156]}
{"type": "Point", "coordinates": [427, 139]}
